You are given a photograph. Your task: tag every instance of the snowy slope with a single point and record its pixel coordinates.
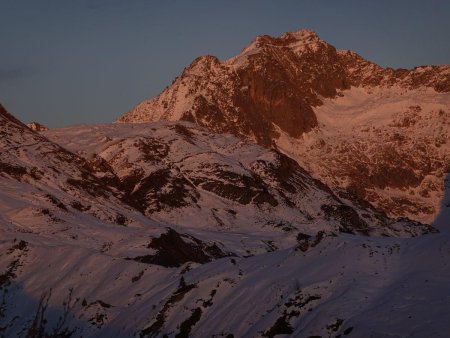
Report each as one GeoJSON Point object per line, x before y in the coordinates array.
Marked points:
{"type": "Point", "coordinates": [55, 183]}
{"type": "Point", "coordinates": [183, 174]}
{"type": "Point", "coordinates": [324, 286]}
{"type": "Point", "coordinates": [74, 269]}
{"type": "Point", "coordinates": [389, 146]}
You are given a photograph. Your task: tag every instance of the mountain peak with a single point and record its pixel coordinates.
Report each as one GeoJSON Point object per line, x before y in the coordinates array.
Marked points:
{"type": "Point", "coordinates": [302, 34]}
{"type": "Point", "coordinates": [306, 36]}
{"type": "Point", "coordinates": [298, 41]}
{"type": "Point", "coordinates": [203, 63]}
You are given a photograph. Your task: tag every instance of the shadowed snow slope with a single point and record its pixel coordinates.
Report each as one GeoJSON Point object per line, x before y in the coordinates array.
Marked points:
{"type": "Point", "coordinates": [71, 265]}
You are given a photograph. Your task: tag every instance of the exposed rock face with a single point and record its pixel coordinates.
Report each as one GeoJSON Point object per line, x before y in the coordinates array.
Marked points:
{"type": "Point", "coordinates": [278, 88]}
{"type": "Point", "coordinates": [366, 73]}
{"type": "Point", "coordinates": [36, 126]}
{"type": "Point", "coordinates": [174, 249]}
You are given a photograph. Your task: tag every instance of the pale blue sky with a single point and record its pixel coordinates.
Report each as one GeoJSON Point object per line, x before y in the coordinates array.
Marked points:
{"type": "Point", "coordinates": [87, 61]}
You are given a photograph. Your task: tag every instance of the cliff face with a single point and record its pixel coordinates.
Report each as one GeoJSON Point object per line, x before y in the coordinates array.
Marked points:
{"type": "Point", "coordinates": [274, 81]}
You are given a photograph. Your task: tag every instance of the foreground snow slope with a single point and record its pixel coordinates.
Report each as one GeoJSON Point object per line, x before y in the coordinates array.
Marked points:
{"type": "Point", "coordinates": [324, 286]}
{"type": "Point", "coordinates": [70, 265]}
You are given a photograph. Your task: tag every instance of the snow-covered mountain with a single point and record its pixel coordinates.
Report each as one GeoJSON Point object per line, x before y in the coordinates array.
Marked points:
{"type": "Point", "coordinates": [382, 133]}
{"type": "Point", "coordinates": [80, 257]}
{"type": "Point", "coordinates": [41, 181]}
{"type": "Point", "coordinates": [181, 173]}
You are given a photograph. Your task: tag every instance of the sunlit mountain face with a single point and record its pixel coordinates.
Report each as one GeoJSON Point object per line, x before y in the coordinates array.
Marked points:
{"type": "Point", "coordinates": [292, 190]}
{"type": "Point", "coordinates": [380, 133]}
